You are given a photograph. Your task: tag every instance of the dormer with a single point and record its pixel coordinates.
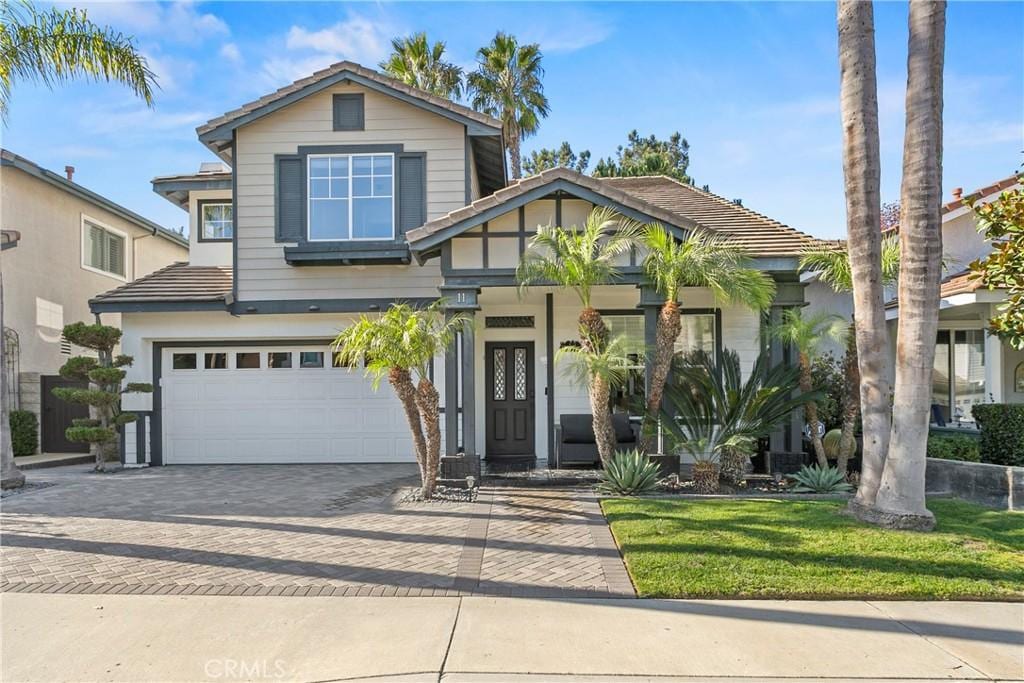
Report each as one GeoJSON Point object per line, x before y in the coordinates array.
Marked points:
{"type": "Point", "coordinates": [207, 198]}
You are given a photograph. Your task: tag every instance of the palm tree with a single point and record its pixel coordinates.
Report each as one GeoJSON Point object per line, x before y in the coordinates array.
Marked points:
{"type": "Point", "coordinates": [598, 368]}
{"type": "Point", "coordinates": [580, 259]}
{"type": "Point", "coordinates": [54, 45]}
{"type": "Point", "coordinates": [861, 170]}
{"type": "Point", "coordinates": [49, 47]}
{"type": "Point", "coordinates": [416, 62]}
{"type": "Point", "coordinates": [702, 259]}
{"type": "Point", "coordinates": [901, 501]}
{"type": "Point", "coordinates": [806, 335]}
{"type": "Point", "coordinates": [400, 344]}
{"type": "Point", "coordinates": [833, 268]}
{"type": "Point", "coordinates": [712, 414]}
{"type": "Point", "coordinates": [507, 85]}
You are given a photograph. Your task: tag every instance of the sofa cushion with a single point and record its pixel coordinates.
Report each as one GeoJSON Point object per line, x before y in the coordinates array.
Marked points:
{"type": "Point", "coordinates": [623, 429]}
{"type": "Point", "coordinates": [577, 428]}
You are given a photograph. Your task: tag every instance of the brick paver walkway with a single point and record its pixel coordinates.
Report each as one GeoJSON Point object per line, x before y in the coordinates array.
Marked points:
{"type": "Point", "coordinates": [291, 530]}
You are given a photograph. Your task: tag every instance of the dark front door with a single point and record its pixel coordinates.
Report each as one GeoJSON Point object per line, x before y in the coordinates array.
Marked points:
{"type": "Point", "coordinates": [58, 414]}
{"type": "Point", "coordinates": [510, 391]}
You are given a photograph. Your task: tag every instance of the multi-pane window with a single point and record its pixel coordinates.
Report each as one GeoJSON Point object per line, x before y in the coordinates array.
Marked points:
{"type": "Point", "coordinates": [103, 250]}
{"type": "Point", "coordinates": [217, 221]}
{"type": "Point", "coordinates": [958, 375]}
{"type": "Point", "coordinates": [351, 197]}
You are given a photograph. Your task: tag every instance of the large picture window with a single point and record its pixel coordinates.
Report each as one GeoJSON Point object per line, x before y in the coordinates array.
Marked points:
{"type": "Point", "coordinates": [103, 250]}
{"type": "Point", "coordinates": [351, 197]}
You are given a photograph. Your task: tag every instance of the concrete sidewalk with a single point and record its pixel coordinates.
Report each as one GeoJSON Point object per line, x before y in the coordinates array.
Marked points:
{"type": "Point", "coordinates": [53, 637]}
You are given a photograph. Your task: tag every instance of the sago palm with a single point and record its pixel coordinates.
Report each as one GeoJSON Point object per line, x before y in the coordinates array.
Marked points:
{"type": "Point", "coordinates": [416, 62]}
{"type": "Point", "coordinates": [702, 259]}
{"type": "Point", "coordinates": [507, 85]}
{"type": "Point", "coordinates": [400, 344]}
{"type": "Point", "coordinates": [807, 334]}
{"type": "Point", "coordinates": [599, 368]}
{"type": "Point", "coordinates": [580, 258]}
{"type": "Point", "coordinates": [52, 45]}
{"type": "Point", "coordinates": [834, 269]}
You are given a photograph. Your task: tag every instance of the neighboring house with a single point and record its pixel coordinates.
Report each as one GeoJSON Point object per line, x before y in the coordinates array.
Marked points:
{"type": "Point", "coordinates": [62, 245]}
{"type": "Point", "coordinates": [351, 191]}
{"type": "Point", "coordinates": [971, 366]}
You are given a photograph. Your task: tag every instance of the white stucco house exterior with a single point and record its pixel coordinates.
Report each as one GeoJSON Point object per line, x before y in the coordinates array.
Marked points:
{"type": "Point", "coordinates": [349, 191]}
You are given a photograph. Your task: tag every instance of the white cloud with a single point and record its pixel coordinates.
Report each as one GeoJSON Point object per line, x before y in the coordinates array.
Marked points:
{"type": "Point", "coordinates": [172, 73]}
{"type": "Point", "coordinates": [572, 31]}
{"type": "Point", "coordinates": [135, 120]}
{"type": "Point", "coordinates": [231, 53]}
{"type": "Point", "coordinates": [179, 22]}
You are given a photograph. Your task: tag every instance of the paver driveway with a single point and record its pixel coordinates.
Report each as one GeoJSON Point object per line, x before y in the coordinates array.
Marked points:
{"type": "Point", "coordinates": [299, 530]}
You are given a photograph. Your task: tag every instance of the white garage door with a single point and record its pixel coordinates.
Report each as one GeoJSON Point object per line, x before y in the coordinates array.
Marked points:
{"type": "Point", "coordinates": [284, 404]}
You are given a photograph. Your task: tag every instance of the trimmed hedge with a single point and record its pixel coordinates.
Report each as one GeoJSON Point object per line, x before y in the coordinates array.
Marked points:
{"type": "Point", "coordinates": [1002, 432]}
{"type": "Point", "coordinates": [24, 432]}
{"type": "Point", "coordinates": [954, 447]}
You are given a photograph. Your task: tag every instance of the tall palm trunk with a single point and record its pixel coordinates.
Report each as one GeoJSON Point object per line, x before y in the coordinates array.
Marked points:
{"type": "Point", "coordinates": [514, 144]}
{"type": "Point", "coordinates": [901, 500]}
{"type": "Point", "coordinates": [851, 404]}
{"type": "Point", "coordinates": [811, 410]}
{"type": "Point", "coordinates": [669, 326]}
{"type": "Point", "coordinates": [10, 476]}
{"type": "Point", "coordinates": [861, 171]}
{"type": "Point", "coordinates": [604, 432]}
{"type": "Point", "coordinates": [401, 381]}
{"type": "Point", "coordinates": [428, 402]}
{"type": "Point", "coordinates": [593, 331]}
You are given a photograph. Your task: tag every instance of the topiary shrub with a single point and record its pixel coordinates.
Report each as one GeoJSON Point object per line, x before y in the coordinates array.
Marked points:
{"type": "Point", "coordinates": [24, 432]}
{"type": "Point", "coordinates": [1002, 432]}
{"type": "Point", "coordinates": [954, 447]}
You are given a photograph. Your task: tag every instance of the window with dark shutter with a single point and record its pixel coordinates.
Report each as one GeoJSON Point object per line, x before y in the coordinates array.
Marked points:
{"type": "Point", "coordinates": [412, 191]}
{"type": "Point", "coordinates": [349, 113]}
{"type": "Point", "coordinates": [290, 223]}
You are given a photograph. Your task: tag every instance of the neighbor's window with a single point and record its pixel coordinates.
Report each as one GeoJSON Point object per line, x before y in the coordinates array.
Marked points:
{"type": "Point", "coordinates": [351, 197]}
{"type": "Point", "coordinates": [103, 249]}
{"type": "Point", "coordinates": [958, 375]}
{"type": "Point", "coordinates": [217, 221]}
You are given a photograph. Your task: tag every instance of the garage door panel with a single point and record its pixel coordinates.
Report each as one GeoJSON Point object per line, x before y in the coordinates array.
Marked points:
{"type": "Point", "coordinates": [279, 415]}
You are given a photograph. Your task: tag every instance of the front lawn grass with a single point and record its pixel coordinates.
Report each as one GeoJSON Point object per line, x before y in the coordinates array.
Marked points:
{"type": "Point", "coordinates": [798, 549]}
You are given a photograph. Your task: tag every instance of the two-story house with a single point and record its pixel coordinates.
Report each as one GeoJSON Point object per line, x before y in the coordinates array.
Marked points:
{"type": "Point", "coordinates": [349, 191]}
{"type": "Point", "coordinates": [63, 244]}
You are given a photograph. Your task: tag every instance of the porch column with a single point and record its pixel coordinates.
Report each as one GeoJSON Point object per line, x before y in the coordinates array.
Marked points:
{"type": "Point", "coordinates": [451, 394]}
{"type": "Point", "coordinates": [462, 300]}
{"type": "Point", "coordinates": [650, 303]}
{"type": "Point", "coordinates": [994, 365]}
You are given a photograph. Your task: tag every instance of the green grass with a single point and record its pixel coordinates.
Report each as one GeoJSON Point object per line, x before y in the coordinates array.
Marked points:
{"type": "Point", "coordinates": [806, 549]}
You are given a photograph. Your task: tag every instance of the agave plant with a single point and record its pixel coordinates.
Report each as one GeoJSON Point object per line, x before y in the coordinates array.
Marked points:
{"type": "Point", "coordinates": [711, 412]}
{"type": "Point", "coordinates": [628, 473]}
{"type": "Point", "coordinates": [821, 480]}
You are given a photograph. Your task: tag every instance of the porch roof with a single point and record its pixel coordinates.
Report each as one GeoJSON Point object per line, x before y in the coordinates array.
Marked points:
{"type": "Point", "coordinates": [178, 286]}
{"type": "Point", "coordinates": [659, 198]}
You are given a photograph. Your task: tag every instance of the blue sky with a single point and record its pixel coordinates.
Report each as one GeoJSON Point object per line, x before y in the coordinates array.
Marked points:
{"type": "Point", "coordinates": [753, 87]}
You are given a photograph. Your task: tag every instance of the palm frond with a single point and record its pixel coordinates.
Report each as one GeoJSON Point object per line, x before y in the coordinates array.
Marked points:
{"type": "Point", "coordinates": [609, 362]}
{"type": "Point", "coordinates": [809, 332]}
{"type": "Point", "coordinates": [833, 264]}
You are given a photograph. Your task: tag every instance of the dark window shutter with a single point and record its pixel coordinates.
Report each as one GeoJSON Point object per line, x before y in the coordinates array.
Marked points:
{"type": "Point", "coordinates": [412, 191]}
{"type": "Point", "coordinates": [290, 223]}
{"type": "Point", "coordinates": [349, 113]}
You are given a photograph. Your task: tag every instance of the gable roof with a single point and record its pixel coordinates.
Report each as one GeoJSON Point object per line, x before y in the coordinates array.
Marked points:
{"type": "Point", "coordinates": [12, 160]}
{"type": "Point", "coordinates": [178, 286]}
{"type": "Point", "coordinates": [678, 206]}
{"type": "Point", "coordinates": [219, 128]}
{"type": "Point", "coordinates": [980, 193]}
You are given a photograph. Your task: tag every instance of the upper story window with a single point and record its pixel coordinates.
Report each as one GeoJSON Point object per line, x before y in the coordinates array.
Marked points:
{"type": "Point", "coordinates": [216, 221]}
{"type": "Point", "coordinates": [351, 197]}
{"type": "Point", "coordinates": [103, 248]}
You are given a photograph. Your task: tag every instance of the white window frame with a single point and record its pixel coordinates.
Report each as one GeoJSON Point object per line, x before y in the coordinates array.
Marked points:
{"type": "Point", "coordinates": [86, 221]}
{"type": "Point", "coordinates": [351, 203]}
{"type": "Point", "coordinates": [201, 205]}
